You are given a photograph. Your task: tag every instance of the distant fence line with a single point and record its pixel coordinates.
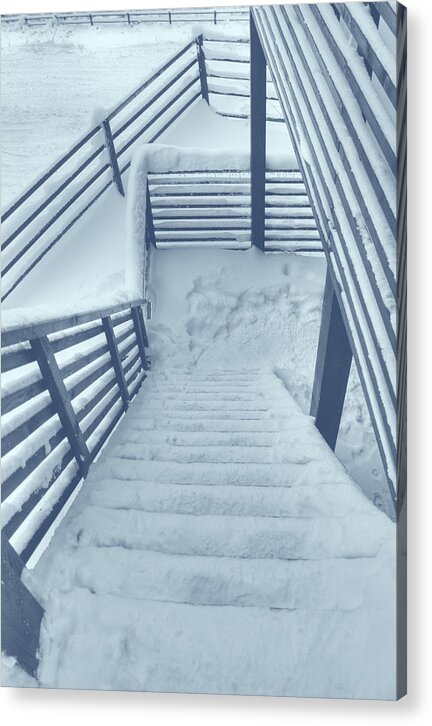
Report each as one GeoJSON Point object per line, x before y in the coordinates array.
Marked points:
{"type": "Point", "coordinates": [214, 15]}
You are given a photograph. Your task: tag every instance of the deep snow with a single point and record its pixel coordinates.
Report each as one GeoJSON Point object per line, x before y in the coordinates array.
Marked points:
{"type": "Point", "coordinates": [236, 564]}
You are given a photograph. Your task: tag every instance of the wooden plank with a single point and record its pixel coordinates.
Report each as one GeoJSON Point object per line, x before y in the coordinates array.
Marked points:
{"type": "Point", "coordinates": [71, 339]}
{"type": "Point", "coordinates": [156, 116]}
{"type": "Point", "coordinates": [141, 335]}
{"type": "Point", "coordinates": [20, 475]}
{"type": "Point", "coordinates": [11, 359]}
{"type": "Point", "coordinates": [54, 218]}
{"type": "Point", "coordinates": [47, 200]}
{"type": "Point", "coordinates": [109, 143]}
{"type": "Point", "coordinates": [20, 334]}
{"type": "Point", "coordinates": [52, 170]}
{"type": "Point", "coordinates": [258, 105]}
{"type": "Point", "coordinates": [153, 99]}
{"type": "Point", "coordinates": [35, 541]}
{"type": "Point", "coordinates": [101, 416]}
{"type": "Point", "coordinates": [21, 614]}
{"type": "Point", "coordinates": [88, 407]}
{"type": "Point", "coordinates": [15, 399]}
{"type": "Point", "coordinates": [115, 357]}
{"type": "Point", "coordinates": [146, 83]}
{"type": "Point", "coordinates": [150, 230]}
{"type": "Point", "coordinates": [332, 368]}
{"type": "Point", "coordinates": [65, 229]}
{"type": "Point", "coordinates": [15, 437]}
{"type": "Point", "coordinates": [61, 399]}
{"type": "Point", "coordinates": [84, 360]}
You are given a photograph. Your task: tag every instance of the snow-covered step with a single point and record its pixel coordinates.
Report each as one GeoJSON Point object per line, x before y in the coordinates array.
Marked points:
{"type": "Point", "coordinates": [224, 425]}
{"type": "Point", "coordinates": [212, 454]}
{"type": "Point", "coordinates": [93, 640]}
{"type": "Point", "coordinates": [217, 534]}
{"type": "Point", "coordinates": [198, 438]}
{"type": "Point", "coordinates": [286, 474]}
{"type": "Point", "coordinates": [225, 581]}
{"type": "Point", "coordinates": [285, 538]}
{"type": "Point", "coordinates": [310, 500]}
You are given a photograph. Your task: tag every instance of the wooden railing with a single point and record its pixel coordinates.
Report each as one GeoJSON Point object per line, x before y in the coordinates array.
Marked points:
{"type": "Point", "coordinates": [213, 208]}
{"type": "Point", "coordinates": [39, 218]}
{"type": "Point", "coordinates": [133, 17]}
{"type": "Point", "coordinates": [228, 78]}
{"type": "Point", "coordinates": [65, 385]}
{"type": "Point", "coordinates": [336, 79]}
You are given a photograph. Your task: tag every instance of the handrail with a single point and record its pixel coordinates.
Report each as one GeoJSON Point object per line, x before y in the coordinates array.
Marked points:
{"type": "Point", "coordinates": [79, 374]}
{"type": "Point", "coordinates": [28, 239]}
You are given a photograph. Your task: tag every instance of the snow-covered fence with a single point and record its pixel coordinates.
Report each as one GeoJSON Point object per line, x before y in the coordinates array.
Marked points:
{"type": "Point", "coordinates": [339, 71]}
{"type": "Point", "coordinates": [34, 223]}
{"type": "Point", "coordinates": [132, 17]}
{"type": "Point", "coordinates": [227, 62]}
{"type": "Point", "coordinates": [213, 208]}
{"type": "Point", "coordinates": [65, 385]}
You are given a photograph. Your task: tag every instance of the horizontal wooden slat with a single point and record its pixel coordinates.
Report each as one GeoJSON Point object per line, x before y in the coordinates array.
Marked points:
{"type": "Point", "coordinates": [19, 334]}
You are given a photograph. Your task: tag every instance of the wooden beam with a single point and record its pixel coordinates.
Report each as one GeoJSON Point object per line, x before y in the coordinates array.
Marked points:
{"type": "Point", "coordinates": [332, 367]}
{"type": "Point", "coordinates": [24, 333]}
{"type": "Point", "coordinates": [52, 377]}
{"type": "Point", "coordinates": [202, 68]}
{"type": "Point", "coordinates": [109, 143]}
{"type": "Point", "coordinates": [115, 357]}
{"type": "Point", "coordinates": [258, 112]}
{"type": "Point", "coordinates": [21, 614]}
{"type": "Point", "coordinates": [141, 335]}
{"type": "Point", "coordinates": [150, 239]}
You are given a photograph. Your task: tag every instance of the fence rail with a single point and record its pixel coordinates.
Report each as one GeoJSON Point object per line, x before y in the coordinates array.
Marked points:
{"type": "Point", "coordinates": [65, 385]}
{"type": "Point", "coordinates": [213, 208]}
{"type": "Point", "coordinates": [39, 218]}
{"type": "Point", "coordinates": [132, 17]}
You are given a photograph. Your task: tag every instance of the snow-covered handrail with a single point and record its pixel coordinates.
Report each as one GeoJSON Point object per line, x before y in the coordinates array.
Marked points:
{"type": "Point", "coordinates": [34, 223]}
{"type": "Point", "coordinates": [77, 375]}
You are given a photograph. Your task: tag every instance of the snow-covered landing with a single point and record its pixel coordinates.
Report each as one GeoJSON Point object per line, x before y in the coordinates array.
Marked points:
{"type": "Point", "coordinates": [219, 546]}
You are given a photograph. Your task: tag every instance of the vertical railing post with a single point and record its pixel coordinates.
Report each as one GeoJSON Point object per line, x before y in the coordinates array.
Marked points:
{"type": "Point", "coordinates": [141, 335]}
{"type": "Point", "coordinates": [115, 358]}
{"type": "Point", "coordinates": [109, 143]}
{"type": "Point", "coordinates": [150, 238]}
{"type": "Point", "coordinates": [60, 397]}
{"type": "Point", "coordinates": [258, 104]}
{"type": "Point", "coordinates": [21, 614]}
{"type": "Point", "coordinates": [332, 367]}
{"type": "Point", "coordinates": [202, 67]}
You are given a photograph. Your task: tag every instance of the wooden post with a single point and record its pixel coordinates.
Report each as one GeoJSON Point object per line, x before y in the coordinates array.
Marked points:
{"type": "Point", "coordinates": [21, 614]}
{"type": "Point", "coordinates": [202, 68]}
{"type": "Point", "coordinates": [109, 143]}
{"type": "Point", "coordinates": [60, 397]}
{"type": "Point", "coordinates": [115, 357]}
{"type": "Point", "coordinates": [150, 238]}
{"type": "Point", "coordinates": [141, 335]}
{"type": "Point", "coordinates": [332, 367]}
{"type": "Point", "coordinates": [258, 103]}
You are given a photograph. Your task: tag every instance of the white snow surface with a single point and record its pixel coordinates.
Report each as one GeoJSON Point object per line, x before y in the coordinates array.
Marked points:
{"type": "Point", "coordinates": [220, 547]}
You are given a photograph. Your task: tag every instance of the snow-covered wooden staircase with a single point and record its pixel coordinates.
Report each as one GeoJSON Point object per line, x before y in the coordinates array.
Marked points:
{"type": "Point", "coordinates": [219, 545]}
